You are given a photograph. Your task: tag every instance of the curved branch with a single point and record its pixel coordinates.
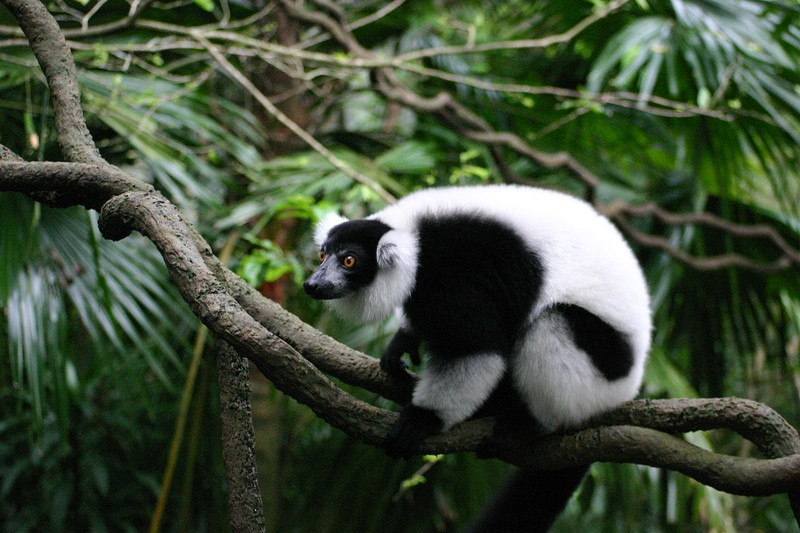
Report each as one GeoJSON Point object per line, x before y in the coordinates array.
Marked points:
{"type": "Point", "coordinates": [185, 254]}
{"type": "Point", "coordinates": [756, 422]}
{"type": "Point", "coordinates": [51, 50]}
{"type": "Point", "coordinates": [545, 159]}
{"type": "Point", "coordinates": [327, 354]}
{"type": "Point", "coordinates": [86, 184]}
{"type": "Point", "coordinates": [736, 475]}
{"type": "Point", "coordinates": [710, 220]}
{"type": "Point", "coordinates": [716, 262]}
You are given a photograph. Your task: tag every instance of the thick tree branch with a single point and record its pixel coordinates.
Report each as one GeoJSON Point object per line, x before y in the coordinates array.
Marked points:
{"type": "Point", "coordinates": [86, 184]}
{"type": "Point", "coordinates": [327, 354]}
{"type": "Point", "coordinates": [736, 475]}
{"type": "Point", "coordinates": [185, 253]}
{"type": "Point", "coordinates": [245, 506]}
{"type": "Point", "coordinates": [52, 53]}
{"type": "Point", "coordinates": [756, 422]}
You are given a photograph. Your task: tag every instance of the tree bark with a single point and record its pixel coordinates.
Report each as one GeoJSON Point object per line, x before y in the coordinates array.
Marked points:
{"type": "Point", "coordinates": [245, 507]}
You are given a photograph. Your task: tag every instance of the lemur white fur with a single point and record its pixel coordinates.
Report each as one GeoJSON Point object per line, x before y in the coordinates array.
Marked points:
{"type": "Point", "coordinates": [586, 263]}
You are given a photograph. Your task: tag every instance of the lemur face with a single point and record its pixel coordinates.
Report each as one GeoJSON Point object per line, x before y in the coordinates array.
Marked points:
{"type": "Point", "coordinates": [348, 259]}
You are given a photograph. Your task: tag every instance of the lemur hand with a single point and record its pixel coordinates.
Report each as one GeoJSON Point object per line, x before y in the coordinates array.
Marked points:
{"type": "Point", "coordinates": [392, 360]}
{"type": "Point", "coordinates": [415, 424]}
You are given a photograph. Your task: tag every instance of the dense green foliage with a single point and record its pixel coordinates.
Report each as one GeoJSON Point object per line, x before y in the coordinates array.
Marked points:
{"type": "Point", "coordinates": [691, 104]}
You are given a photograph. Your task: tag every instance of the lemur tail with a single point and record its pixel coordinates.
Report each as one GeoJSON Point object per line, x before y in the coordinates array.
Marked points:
{"type": "Point", "coordinates": [529, 501]}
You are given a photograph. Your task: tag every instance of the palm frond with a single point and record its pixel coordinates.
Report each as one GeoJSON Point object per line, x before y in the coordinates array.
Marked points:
{"type": "Point", "coordinates": [120, 294]}
{"type": "Point", "coordinates": [36, 329]}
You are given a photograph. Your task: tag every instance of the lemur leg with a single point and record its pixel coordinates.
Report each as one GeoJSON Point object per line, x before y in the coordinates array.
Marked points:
{"type": "Point", "coordinates": [447, 393]}
{"type": "Point", "coordinates": [513, 420]}
{"type": "Point", "coordinates": [403, 342]}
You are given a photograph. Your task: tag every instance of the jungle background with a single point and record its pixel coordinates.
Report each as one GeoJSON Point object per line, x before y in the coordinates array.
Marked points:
{"type": "Point", "coordinates": [680, 119]}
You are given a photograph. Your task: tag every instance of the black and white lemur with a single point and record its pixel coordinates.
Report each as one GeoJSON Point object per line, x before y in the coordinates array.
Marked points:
{"type": "Point", "coordinates": [529, 305]}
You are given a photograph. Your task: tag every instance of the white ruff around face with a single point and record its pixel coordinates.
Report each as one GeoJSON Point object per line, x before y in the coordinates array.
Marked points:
{"type": "Point", "coordinates": [325, 225]}
{"type": "Point", "coordinates": [397, 268]}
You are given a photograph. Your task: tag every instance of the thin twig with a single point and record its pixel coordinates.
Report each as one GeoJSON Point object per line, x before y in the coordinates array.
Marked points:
{"type": "Point", "coordinates": [281, 117]}
{"type": "Point", "coordinates": [652, 105]}
{"type": "Point", "coordinates": [716, 262]}
{"type": "Point", "coordinates": [542, 42]}
{"type": "Point", "coordinates": [711, 220]}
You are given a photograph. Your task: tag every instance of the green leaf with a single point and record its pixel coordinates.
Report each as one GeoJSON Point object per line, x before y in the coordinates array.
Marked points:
{"type": "Point", "coordinates": [35, 329]}
{"type": "Point", "coordinates": [101, 55]}
{"type": "Point", "coordinates": [640, 42]}
{"type": "Point", "coordinates": [268, 263]}
{"type": "Point", "coordinates": [412, 482]}
{"type": "Point", "coordinates": [205, 5]}
{"type": "Point", "coordinates": [408, 158]}
{"type": "Point", "coordinates": [704, 97]}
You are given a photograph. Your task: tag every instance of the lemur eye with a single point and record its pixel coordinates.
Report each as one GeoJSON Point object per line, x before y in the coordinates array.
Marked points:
{"type": "Point", "coordinates": [349, 261]}
{"type": "Point", "coordinates": [322, 256]}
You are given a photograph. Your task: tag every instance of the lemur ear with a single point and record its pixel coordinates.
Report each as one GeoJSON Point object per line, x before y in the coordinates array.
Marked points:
{"type": "Point", "coordinates": [397, 247]}
{"type": "Point", "coordinates": [325, 225]}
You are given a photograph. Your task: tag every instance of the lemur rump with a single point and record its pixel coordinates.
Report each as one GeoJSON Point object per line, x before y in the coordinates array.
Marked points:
{"type": "Point", "coordinates": [524, 300]}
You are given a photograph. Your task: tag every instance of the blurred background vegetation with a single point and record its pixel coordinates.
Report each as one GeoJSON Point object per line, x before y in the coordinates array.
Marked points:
{"type": "Point", "coordinates": [691, 104]}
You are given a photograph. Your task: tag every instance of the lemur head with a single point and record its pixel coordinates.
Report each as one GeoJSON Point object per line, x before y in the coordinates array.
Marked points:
{"type": "Point", "coordinates": [367, 268]}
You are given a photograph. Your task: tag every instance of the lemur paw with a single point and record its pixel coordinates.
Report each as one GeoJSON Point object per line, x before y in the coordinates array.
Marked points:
{"type": "Point", "coordinates": [415, 424]}
{"type": "Point", "coordinates": [392, 361]}
{"type": "Point", "coordinates": [394, 366]}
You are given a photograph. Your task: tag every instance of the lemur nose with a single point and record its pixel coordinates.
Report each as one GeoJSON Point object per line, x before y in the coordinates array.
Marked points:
{"type": "Point", "coordinates": [310, 287]}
